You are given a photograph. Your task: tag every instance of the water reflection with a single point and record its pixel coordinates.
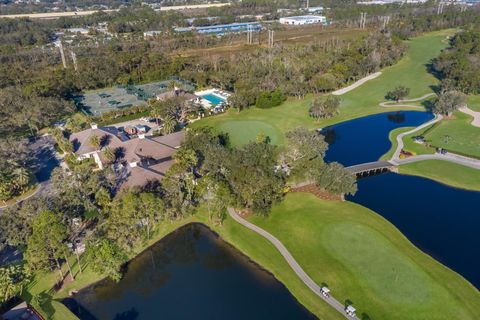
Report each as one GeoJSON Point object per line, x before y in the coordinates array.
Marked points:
{"type": "Point", "coordinates": [191, 273]}
{"type": "Point", "coordinates": [397, 117]}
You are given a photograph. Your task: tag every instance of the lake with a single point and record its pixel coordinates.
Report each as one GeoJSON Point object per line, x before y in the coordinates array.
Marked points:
{"type": "Point", "coordinates": [366, 139]}
{"type": "Point", "coordinates": [190, 274]}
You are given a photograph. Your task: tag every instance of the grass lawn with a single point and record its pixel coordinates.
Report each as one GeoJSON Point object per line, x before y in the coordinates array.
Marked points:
{"type": "Point", "coordinates": [411, 71]}
{"type": "Point", "coordinates": [445, 172]}
{"type": "Point", "coordinates": [365, 259]}
{"type": "Point", "coordinates": [456, 135]}
{"type": "Point", "coordinates": [474, 102]}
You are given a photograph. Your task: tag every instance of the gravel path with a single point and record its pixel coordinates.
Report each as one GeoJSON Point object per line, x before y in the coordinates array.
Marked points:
{"type": "Point", "coordinates": [292, 262]}
{"type": "Point", "coordinates": [356, 84]}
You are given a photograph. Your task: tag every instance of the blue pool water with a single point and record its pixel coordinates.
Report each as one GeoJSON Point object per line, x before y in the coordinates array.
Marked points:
{"type": "Point", "coordinates": [214, 99]}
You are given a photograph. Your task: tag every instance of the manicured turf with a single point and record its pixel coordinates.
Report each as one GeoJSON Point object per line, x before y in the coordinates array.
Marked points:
{"type": "Point", "coordinates": [445, 172]}
{"type": "Point", "coordinates": [456, 135]}
{"type": "Point", "coordinates": [411, 71]}
{"type": "Point", "coordinates": [474, 102]}
{"type": "Point", "coordinates": [363, 258]}
{"type": "Point", "coordinates": [244, 131]}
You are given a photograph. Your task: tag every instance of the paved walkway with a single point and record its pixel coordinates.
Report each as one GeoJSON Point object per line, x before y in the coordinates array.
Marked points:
{"type": "Point", "coordinates": [474, 114]}
{"type": "Point", "coordinates": [356, 84]}
{"type": "Point", "coordinates": [406, 103]}
{"type": "Point", "coordinates": [400, 144]}
{"type": "Point", "coordinates": [451, 157]}
{"type": "Point", "coordinates": [292, 262]}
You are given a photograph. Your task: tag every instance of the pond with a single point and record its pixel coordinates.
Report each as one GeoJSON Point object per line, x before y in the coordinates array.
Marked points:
{"type": "Point", "coordinates": [190, 274]}
{"type": "Point", "coordinates": [366, 139]}
{"type": "Point", "coordinates": [440, 220]}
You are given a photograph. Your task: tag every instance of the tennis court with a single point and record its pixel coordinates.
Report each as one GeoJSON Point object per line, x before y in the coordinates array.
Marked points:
{"type": "Point", "coordinates": [99, 102]}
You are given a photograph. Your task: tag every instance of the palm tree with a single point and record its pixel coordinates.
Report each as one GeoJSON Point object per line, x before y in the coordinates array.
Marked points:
{"type": "Point", "coordinates": [94, 141]}
{"type": "Point", "coordinates": [169, 124]}
{"type": "Point", "coordinates": [21, 177]}
{"type": "Point", "coordinates": [109, 155]}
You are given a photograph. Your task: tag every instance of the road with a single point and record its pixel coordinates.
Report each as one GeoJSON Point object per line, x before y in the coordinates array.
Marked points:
{"type": "Point", "coordinates": [292, 262]}
{"type": "Point", "coordinates": [43, 151]}
{"type": "Point", "coordinates": [55, 15]}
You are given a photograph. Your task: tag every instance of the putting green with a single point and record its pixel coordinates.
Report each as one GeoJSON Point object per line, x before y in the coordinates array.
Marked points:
{"type": "Point", "coordinates": [245, 131]}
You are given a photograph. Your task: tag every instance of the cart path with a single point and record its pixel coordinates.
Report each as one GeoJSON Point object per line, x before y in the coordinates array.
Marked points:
{"type": "Point", "coordinates": [450, 157]}
{"type": "Point", "coordinates": [406, 103]}
{"type": "Point", "coordinates": [291, 261]}
{"type": "Point", "coordinates": [357, 84]}
{"type": "Point", "coordinates": [475, 114]}
{"type": "Point", "coordinates": [400, 144]}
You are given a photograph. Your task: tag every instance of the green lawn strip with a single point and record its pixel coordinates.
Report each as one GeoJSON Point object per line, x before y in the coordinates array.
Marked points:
{"type": "Point", "coordinates": [410, 71]}
{"type": "Point", "coordinates": [474, 102]}
{"type": "Point", "coordinates": [365, 259]}
{"type": "Point", "coordinates": [445, 172]}
{"type": "Point", "coordinates": [392, 136]}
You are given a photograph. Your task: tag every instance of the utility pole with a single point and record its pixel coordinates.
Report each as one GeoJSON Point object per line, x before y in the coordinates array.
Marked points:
{"type": "Point", "coordinates": [386, 20]}
{"type": "Point", "coordinates": [270, 38]}
{"type": "Point", "coordinates": [62, 54]}
{"type": "Point", "coordinates": [74, 58]}
{"type": "Point", "coordinates": [308, 4]}
{"type": "Point", "coordinates": [440, 7]}
{"type": "Point", "coordinates": [363, 20]}
{"type": "Point", "coordinates": [249, 35]}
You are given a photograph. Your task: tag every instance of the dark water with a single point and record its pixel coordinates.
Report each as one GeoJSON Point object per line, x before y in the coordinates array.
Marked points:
{"type": "Point", "coordinates": [191, 274]}
{"type": "Point", "coordinates": [440, 220]}
{"type": "Point", "coordinates": [366, 139]}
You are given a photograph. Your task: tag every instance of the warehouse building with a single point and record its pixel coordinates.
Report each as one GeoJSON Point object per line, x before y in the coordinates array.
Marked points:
{"type": "Point", "coordinates": [301, 20]}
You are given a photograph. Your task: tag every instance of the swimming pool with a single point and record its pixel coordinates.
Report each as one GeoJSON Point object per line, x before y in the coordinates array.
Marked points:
{"type": "Point", "coordinates": [213, 98]}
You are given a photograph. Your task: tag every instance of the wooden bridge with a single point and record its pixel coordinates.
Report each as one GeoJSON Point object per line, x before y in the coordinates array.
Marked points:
{"type": "Point", "coordinates": [372, 168]}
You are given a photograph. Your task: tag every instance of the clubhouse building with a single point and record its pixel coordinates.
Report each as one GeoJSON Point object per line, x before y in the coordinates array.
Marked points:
{"type": "Point", "coordinates": [139, 160]}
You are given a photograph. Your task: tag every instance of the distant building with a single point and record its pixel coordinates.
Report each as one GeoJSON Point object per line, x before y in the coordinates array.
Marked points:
{"type": "Point", "coordinates": [314, 9]}
{"type": "Point", "coordinates": [222, 29]}
{"type": "Point", "coordinates": [81, 31]}
{"type": "Point", "coordinates": [302, 20]}
{"type": "Point", "coordinates": [151, 34]}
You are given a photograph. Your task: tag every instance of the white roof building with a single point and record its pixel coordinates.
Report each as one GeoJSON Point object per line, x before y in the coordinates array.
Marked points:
{"type": "Point", "coordinates": [149, 34]}
{"type": "Point", "coordinates": [302, 20]}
